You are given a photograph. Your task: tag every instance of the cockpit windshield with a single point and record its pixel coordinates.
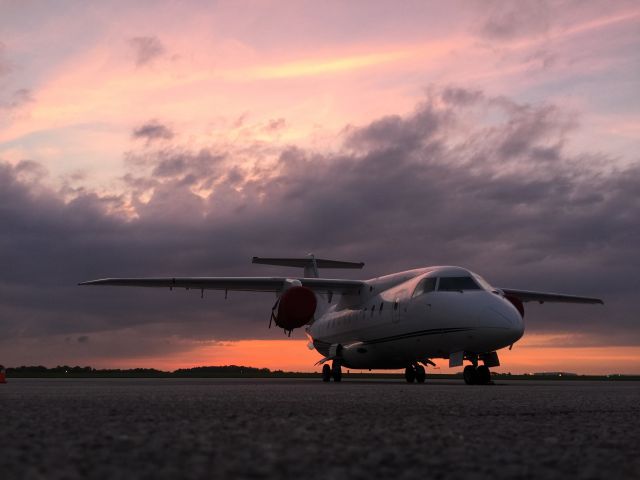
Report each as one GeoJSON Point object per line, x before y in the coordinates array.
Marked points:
{"type": "Point", "coordinates": [457, 284]}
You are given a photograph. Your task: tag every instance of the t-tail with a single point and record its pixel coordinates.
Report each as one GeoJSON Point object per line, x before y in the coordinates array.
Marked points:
{"type": "Point", "coordinates": [310, 264]}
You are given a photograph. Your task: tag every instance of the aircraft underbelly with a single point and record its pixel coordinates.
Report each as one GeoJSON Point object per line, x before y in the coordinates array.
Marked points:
{"type": "Point", "coordinates": [416, 338]}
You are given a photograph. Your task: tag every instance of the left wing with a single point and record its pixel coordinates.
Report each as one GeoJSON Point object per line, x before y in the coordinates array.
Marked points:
{"type": "Point", "coordinates": [248, 284]}
{"type": "Point", "coordinates": [530, 296]}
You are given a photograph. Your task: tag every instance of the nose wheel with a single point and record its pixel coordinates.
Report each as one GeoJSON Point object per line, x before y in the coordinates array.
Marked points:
{"type": "Point", "coordinates": [484, 375]}
{"type": "Point", "coordinates": [476, 375]}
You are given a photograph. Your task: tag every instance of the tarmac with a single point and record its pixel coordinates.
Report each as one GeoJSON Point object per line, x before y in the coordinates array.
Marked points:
{"type": "Point", "coordinates": [305, 429]}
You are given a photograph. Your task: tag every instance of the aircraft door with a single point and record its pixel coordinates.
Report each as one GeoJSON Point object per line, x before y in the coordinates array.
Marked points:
{"type": "Point", "coordinates": [395, 312]}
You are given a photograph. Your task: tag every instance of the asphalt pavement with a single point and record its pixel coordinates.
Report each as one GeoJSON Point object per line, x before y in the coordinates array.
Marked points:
{"type": "Point", "coordinates": [305, 429]}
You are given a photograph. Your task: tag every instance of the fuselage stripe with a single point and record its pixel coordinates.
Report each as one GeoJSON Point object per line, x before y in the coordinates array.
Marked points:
{"type": "Point", "coordinates": [403, 336]}
{"type": "Point", "coordinates": [434, 331]}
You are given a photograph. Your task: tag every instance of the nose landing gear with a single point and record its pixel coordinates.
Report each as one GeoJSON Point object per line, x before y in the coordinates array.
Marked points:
{"type": "Point", "coordinates": [484, 375]}
{"type": "Point", "coordinates": [476, 375]}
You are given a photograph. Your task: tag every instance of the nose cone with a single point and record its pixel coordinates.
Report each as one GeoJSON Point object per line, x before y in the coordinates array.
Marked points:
{"type": "Point", "coordinates": [516, 329]}
{"type": "Point", "coordinates": [506, 319]}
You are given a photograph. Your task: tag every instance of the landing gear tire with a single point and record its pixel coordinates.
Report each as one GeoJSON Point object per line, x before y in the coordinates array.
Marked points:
{"type": "Point", "coordinates": [336, 372]}
{"type": "Point", "coordinates": [483, 375]}
{"type": "Point", "coordinates": [421, 375]}
{"type": "Point", "coordinates": [470, 375]}
{"type": "Point", "coordinates": [409, 374]}
{"type": "Point", "coordinates": [326, 373]}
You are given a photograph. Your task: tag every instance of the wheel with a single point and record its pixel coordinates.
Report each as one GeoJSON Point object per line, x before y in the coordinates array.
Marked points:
{"type": "Point", "coordinates": [484, 375]}
{"type": "Point", "coordinates": [326, 373]}
{"type": "Point", "coordinates": [409, 374]}
{"type": "Point", "coordinates": [421, 375]}
{"type": "Point", "coordinates": [336, 372]}
{"type": "Point", "coordinates": [470, 375]}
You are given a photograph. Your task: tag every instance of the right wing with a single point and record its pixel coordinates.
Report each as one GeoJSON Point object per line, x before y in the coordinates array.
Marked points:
{"type": "Point", "coordinates": [248, 284]}
{"type": "Point", "coordinates": [530, 296]}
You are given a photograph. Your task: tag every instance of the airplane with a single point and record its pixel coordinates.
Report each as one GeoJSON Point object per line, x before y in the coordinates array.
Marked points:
{"type": "Point", "coordinates": [399, 321]}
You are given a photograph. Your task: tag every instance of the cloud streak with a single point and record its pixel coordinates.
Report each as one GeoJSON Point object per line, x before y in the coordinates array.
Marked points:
{"type": "Point", "coordinates": [152, 130]}
{"type": "Point", "coordinates": [146, 50]}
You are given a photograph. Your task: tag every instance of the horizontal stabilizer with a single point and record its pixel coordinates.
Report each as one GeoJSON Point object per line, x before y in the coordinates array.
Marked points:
{"type": "Point", "coordinates": [307, 262]}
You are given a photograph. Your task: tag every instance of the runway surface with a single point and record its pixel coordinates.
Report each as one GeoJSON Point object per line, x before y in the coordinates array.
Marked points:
{"type": "Point", "coordinates": [302, 429]}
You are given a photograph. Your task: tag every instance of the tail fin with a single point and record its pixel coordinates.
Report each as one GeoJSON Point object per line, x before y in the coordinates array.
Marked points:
{"type": "Point", "coordinates": [310, 264]}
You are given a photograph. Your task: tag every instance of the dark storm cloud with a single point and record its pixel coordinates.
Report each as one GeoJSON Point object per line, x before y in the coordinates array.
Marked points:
{"type": "Point", "coordinates": [146, 49]}
{"type": "Point", "coordinates": [506, 200]}
{"type": "Point", "coordinates": [395, 132]}
{"type": "Point", "coordinates": [461, 96]}
{"type": "Point", "coordinates": [153, 130]}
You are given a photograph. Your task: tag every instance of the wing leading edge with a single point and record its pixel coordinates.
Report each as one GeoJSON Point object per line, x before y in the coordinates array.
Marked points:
{"type": "Point", "coordinates": [247, 284]}
{"type": "Point", "coordinates": [531, 296]}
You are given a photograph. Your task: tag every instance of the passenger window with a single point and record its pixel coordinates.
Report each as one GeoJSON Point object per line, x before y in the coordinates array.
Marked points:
{"type": "Point", "coordinates": [425, 285]}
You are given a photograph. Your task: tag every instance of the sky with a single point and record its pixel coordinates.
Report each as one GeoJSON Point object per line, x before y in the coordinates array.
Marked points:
{"type": "Point", "coordinates": [183, 138]}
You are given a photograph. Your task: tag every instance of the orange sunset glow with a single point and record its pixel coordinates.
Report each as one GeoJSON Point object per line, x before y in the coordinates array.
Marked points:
{"type": "Point", "coordinates": [293, 355]}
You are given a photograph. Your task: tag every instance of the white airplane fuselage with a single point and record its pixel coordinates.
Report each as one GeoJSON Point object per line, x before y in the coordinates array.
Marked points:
{"type": "Point", "coordinates": [393, 325]}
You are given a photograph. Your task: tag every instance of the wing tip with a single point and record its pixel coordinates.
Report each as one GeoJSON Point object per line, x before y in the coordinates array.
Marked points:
{"type": "Point", "coordinates": [93, 282]}
{"type": "Point", "coordinates": [593, 300]}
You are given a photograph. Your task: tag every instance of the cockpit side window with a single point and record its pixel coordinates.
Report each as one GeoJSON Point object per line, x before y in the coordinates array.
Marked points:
{"type": "Point", "coordinates": [457, 284]}
{"type": "Point", "coordinates": [483, 283]}
{"type": "Point", "coordinates": [425, 285]}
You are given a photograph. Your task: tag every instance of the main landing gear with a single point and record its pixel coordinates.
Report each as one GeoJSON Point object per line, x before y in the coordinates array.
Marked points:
{"type": "Point", "coordinates": [334, 371]}
{"type": "Point", "coordinates": [476, 375]}
{"type": "Point", "coordinates": [415, 373]}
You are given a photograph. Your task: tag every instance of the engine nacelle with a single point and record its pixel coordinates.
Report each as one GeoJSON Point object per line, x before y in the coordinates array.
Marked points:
{"type": "Point", "coordinates": [296, 308]}
{"type": "Point", "coordinates": [516, 302]}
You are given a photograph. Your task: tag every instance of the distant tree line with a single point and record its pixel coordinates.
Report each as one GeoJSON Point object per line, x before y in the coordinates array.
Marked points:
{"type": "Point", "coordinates": [239, 371]}
{"type": "Point", "coordinates": [84, 372]}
